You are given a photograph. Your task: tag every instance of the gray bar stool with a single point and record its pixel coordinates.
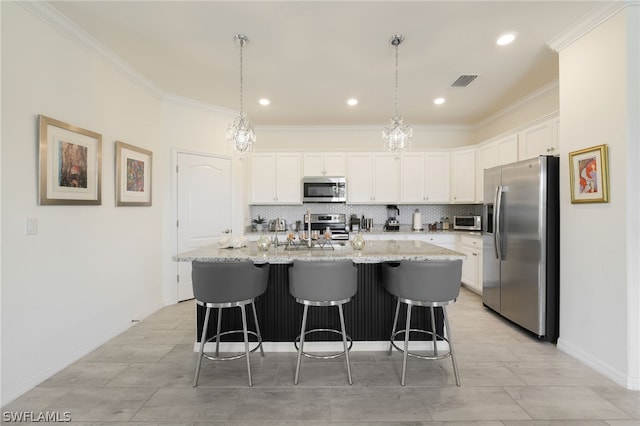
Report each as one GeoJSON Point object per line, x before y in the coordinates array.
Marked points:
{"type": "Point", "coordinates": [423, 283]}
{"type": "Point", "coordinates": [323, 283]}
{"type": "Point", "coordinates": [228, 285]}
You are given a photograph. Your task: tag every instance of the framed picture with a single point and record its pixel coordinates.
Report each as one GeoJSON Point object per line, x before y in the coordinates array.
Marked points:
{"type": "Point", "coordinates": [589, 174]}
{"type": "Point", "coordinates": [133, 175]}
{"type": "Point", "coordinates": [70, 164]}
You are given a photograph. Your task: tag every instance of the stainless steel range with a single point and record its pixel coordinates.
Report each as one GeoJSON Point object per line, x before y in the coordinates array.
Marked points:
{"type": "Point", "coordinates": [337, 223]}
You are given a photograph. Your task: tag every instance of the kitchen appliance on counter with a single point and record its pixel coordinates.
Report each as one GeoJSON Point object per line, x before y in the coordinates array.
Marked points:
{"type": "Point", "coordinates": [324, 189]}
{"type": "Point", "coordinates": [521, 244]}
{"type": "Point", "coordinates": [277, 225]}
{"type": "Point", "coordinates": [337, 224]}
{"type": "Point", "coordinates": [392, 223]}
{"type": "Point", "coordinates": [467, 223]}
{"type": "Point", "coordinates": [417, 221]}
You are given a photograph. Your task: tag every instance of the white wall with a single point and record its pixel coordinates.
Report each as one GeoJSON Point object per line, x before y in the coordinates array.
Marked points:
{"type": "Point", "coordinates": [90, 270]}
{"type": "Point", "coordinates": [599, 254]}
{"type": "Point", "coordinates": [540, 103]}
{"type": "Point", "coordinates": [197, 128]}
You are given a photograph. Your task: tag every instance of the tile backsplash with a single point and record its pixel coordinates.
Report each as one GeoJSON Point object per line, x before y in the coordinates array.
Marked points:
{"type": "Point", "coordinates": [430, 212]}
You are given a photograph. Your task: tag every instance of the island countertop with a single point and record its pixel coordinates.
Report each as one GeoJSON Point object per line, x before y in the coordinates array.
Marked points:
{"type": "Point", "coordinates": [373, 252]}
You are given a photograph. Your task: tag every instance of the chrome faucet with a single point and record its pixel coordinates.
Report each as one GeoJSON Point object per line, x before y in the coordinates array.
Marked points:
{"type": "Point", "coordinates": [308, 219]}
{"type": "Point", "coordinates": [276, 228]}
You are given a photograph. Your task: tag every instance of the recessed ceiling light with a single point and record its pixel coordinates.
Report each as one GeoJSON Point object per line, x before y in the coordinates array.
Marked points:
{"type": "Point", "coordinates": [505, 39]}
{"type": "Point", "coordinates": [352, 102]}
{"type": "Point", "coordinates": [438, 101]}
{"type": "Point", "coordinates": [264, 102]}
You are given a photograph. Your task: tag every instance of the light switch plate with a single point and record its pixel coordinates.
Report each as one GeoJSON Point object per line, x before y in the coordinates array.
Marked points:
{"type": "Point", "coordinates": [31, 226]}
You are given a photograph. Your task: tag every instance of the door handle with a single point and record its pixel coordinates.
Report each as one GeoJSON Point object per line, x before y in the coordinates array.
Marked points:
{"type": "Point", "coordinates": [497, 236]}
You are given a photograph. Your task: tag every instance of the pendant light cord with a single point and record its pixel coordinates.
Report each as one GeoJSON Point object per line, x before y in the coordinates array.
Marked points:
{"type": "Point", "coordinates": [241, 80]}
{"type": "Point", "coordinates": [397, 79]}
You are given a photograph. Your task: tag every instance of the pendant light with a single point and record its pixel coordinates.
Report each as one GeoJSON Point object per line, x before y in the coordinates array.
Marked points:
{"type": "Point", "coordinates": [397, 135]}
{"type": "Point", "coordinates": [240, 133]}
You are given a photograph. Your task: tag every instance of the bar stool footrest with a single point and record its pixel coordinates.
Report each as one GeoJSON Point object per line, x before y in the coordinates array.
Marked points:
{"type": "Point", "coordinates": [415, 355]}
{"type": "Point", "coordinates": [239, 354]}
{"type": "Point", "coordinates": [319, 330]}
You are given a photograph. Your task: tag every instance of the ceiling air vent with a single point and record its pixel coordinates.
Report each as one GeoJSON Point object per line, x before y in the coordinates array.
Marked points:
{"type": "Point", "coordinates": [463, 80]}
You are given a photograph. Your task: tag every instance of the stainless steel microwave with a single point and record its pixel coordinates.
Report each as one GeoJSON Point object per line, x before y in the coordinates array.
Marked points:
{"type": "Point", "coordinates": [324, 189]}
{"type": "Point", "coordinates": [467, 223]}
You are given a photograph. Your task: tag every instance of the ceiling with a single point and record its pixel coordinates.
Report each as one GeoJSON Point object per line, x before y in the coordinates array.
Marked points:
{"type": "Point", "coordinates": [309, 57]}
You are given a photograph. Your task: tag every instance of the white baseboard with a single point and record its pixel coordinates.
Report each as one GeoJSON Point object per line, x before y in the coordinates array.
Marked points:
{"type": "Point", "coordinates": [605, 369]}
{"type": "Point", "coordinates": [375, 346]}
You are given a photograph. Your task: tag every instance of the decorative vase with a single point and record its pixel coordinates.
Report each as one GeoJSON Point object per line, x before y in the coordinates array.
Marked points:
{"type": "Point", "coordinates": [263, 243]}
{"type": "Point", "coordinates": [358, 242]}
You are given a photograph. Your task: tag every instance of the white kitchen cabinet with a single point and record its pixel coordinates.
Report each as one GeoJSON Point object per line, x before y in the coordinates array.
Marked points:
{"type": "Point", "coordinates": [539, 139]}
{"type": "Point", "coordinates": [324, 164]}
{"type": "Point", "coordinates": [372, 178]}
{"type": "Point", "coordinates": [463, 176]}
{"type": "Point", "coordinates": [275, 178]}
{"type": "Point", "coordinates": [425, 177]}
{"type": "Point", "coordinates": [496, 153]}
{"type": "Point", "coordinates": [389, 236]}
{"type": "Point", "coordinates": [471, 246]}
{"type": "Point", "coordinates": [485, 159]}
{"type": "Point", "coordinates": [446, 240]}
{"type": "Point", "coordinates": [507, 149]}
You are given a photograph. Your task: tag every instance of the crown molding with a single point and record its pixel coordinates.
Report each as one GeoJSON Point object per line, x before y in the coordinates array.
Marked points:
{"type": "Point", "coordinates": [182, 100]}
{"type": "Point", "coordinates": [51, 16]}
{"type": "Point", "coordinates": [370, 127]}
{"type": "Point", "coordinates": [517, 104]}
{"type": "Point", "coordinates": [589, 22]}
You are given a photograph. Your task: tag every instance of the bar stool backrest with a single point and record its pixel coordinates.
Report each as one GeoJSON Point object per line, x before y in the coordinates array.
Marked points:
{"type": "Point", "coordinates": [425, 281]}
{"type": "Point", "coordinates": [223, 282]}
{"type": "Point", "coordinates": [320, 281]}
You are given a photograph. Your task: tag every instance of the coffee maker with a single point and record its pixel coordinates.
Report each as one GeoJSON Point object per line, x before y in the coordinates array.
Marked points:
{"type": "Point", "coordinates": [392, 223]}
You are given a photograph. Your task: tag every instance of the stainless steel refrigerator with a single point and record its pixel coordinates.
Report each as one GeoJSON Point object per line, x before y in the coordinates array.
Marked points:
{"type": "Point", "coordinates": [521, 244]}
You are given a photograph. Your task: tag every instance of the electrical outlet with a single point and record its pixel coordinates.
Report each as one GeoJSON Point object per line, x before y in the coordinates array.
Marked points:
{"type": "Point", "coordinates": [31, 226]}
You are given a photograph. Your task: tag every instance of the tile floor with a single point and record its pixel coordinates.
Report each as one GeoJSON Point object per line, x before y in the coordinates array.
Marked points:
{"type": "Point", "coordinates": [143, 377]}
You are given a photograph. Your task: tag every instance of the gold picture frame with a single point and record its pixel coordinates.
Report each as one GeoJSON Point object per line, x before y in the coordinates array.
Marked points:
{"type": "Point", "coordinates": [133, 175]}
{"type": "Point", "coordinates": [70, 166]}
{"type": "Point", "coordinates": [589, 175]}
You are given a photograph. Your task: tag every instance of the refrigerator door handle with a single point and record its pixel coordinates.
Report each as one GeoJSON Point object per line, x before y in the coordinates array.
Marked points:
{"type": "Point", "coordinates": [497, 237]}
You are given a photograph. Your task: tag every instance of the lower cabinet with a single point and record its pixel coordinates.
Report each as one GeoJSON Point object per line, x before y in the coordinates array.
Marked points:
{"type": "Point", "coordinates": [471, 246]}
{"type": "Point", "coordinates": [442, 240]}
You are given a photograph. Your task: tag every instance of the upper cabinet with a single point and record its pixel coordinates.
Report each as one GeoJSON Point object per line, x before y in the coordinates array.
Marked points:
{"type": "Point", "coordinates": [492, 154]}
{"type": "Point", "coordinates": [425, 177]}
{"type": "Point", "coordinates": [507, 150]}
{"type": "Point", "coordinates": [324, 164]}
{"type": "Point", "coordinates": [486, 158]}
{"type": "Point", "coordinates": [372, 178]}
{"type": "Point", "coordinates": [539, 139]}
{"type": "Point", "coordinates": [275, 178]}
{"type": "Point", "coordinates": [463, 176]}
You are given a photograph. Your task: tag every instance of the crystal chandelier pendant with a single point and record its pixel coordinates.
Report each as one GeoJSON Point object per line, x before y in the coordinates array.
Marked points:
{"type": "Point", "coordinates": [240, 133]}
{"type": "Point", "coordinates": [397, 135]}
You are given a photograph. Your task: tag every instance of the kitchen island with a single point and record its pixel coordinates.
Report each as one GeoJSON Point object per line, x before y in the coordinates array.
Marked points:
{"type": "Point", "coordinates": [373, 252]}
{"type": "Point", "coordinates": [368, 316]}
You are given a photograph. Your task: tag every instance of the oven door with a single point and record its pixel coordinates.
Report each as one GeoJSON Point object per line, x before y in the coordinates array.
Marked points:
{"type": "Point", "coordinates": [324, 190]}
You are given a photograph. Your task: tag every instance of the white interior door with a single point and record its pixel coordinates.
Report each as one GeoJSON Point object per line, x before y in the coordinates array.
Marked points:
{"type": "Point", "coordinates": [204, 207]}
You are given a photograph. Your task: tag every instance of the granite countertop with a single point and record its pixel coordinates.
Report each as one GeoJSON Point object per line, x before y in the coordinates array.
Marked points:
{"type": "Point", "coordinates": [404, 230]}
{"type": "Point", "coordinates": [373, 252]}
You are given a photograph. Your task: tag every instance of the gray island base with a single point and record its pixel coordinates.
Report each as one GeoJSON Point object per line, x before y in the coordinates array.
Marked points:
{"type": "Point", "coordinates": [368, 316]}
